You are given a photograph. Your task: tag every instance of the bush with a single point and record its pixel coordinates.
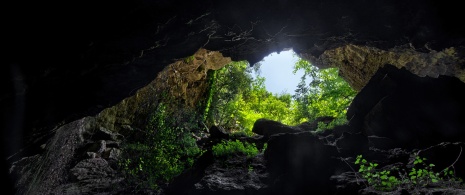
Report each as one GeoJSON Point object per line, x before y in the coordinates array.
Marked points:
{"type": "Point", "coordinates": [163, 152]}
{"type": "Point", "coordinates": [226, 148]}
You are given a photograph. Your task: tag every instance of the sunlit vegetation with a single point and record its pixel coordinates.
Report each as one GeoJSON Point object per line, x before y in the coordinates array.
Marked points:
{"type": "Point", "coordinates": [227, 148]}
{"type": "Point", "coordinates": [238, 100]}
{"type": "Point", "coordinates": [326, 95]}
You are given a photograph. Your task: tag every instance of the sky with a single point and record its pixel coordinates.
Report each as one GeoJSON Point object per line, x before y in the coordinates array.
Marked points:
{"type": "Point", "coordinates": [277, 70]}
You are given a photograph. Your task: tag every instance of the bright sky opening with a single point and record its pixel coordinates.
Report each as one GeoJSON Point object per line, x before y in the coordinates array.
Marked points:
{"type": "Point", "coordinates": [277, 70]}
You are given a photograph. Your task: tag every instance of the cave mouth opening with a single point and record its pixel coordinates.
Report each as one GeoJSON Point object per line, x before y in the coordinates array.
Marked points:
{"type": "Point", "coordinates": [278, 71]}
{"type": "Point", "coordinates": [282, 87]}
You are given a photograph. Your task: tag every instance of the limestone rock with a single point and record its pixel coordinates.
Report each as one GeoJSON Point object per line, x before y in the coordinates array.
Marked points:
{"type": "Point", "coordinates": [235, 175]}
{"type": "Point", "coordinates": [92, 175]}
{"type": "Point", "coordinates": [184, 80]}
{"type": "Point", "coordinates": [357, 64]}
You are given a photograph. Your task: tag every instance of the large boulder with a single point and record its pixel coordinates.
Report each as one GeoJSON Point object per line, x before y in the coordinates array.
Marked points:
{"type": "Point", "coordinates": [268, 128]}
{"type": "Point", "coordinates": [301, 163]}
{"type": "Point", "coordinates": [404, 110]}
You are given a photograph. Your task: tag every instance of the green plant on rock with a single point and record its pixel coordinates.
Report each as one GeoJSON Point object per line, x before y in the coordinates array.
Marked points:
{"type": "Point", "coordinates": [380, 180]}
{"type": "Point", "coordinates": [425, 175]}
{"type": "Point", "coordinates": [189, 59]}
{"type": "Point", "coordinates": [419, 175]}
{"type": "Point", "coordinates": [227, 148]}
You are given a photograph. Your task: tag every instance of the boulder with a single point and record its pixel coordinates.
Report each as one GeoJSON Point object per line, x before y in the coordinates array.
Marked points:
{"type": "Point", "coordinates": [410, 111]}
{"type": "Point", "coordinates": [268, 128]}
{"type": "Point", "coordinates": [301, 163]}
{"type": "Point", "coordinates": [218, 133]}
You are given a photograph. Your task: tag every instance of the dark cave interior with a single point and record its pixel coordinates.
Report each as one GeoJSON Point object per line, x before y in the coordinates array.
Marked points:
{"type": "Point", "coordinates": [69, 59]}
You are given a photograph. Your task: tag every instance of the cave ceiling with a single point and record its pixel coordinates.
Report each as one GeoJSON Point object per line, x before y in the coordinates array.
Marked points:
{"type": "Point", "coordinates": [68, 59]}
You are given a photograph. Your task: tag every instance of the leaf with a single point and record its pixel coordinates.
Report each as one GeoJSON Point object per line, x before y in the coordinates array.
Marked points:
{"type": "Point", "coordinates": [434, 180]}
{"type": "Point", "coordinates": [392, 178]}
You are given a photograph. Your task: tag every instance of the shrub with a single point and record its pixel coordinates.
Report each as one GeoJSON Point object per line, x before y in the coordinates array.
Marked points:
{"type": "Point", "coordinates": [165, 150]}
{"type": "Point", "coordinates": [336, 122]}
{"type": "Point", "coordinates": [226, 148]}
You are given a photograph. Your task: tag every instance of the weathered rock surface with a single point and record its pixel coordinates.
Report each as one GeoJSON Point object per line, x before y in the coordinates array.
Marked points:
{"type": "Point", "coordinates": [184, 80]}
{"type": "Point", "coordinates": [235, 175]}
{"type": "Point", "coordinates": [357, 64]}
{"type": "Point", "coordinates": [77, 160]}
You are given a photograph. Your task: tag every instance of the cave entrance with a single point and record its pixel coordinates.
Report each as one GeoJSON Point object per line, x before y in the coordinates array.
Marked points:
{"type": "Point", "coordinates": [277, 69]}
{"type": "Point", "coordinates": [283, 88]}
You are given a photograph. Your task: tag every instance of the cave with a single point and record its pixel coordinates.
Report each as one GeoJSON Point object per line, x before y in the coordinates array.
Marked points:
{"type": "Point", "coordinates": [77, 72]}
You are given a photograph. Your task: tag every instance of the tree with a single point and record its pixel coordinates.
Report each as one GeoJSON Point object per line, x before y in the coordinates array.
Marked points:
{"type": "Point", "coordinates": [230, 81]}
{"type": "Point", "coordinates": [239, 100]}
{"type": "Point", "coordinates": [326, 95]}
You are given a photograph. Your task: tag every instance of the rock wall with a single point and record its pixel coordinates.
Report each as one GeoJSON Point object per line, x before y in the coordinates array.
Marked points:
{"type": "Point", "coordinates": [184, 80]}
{"type": "Point", "coordinates": [358, 63]}
{"type": "Point", "coordinates": [78, 159]}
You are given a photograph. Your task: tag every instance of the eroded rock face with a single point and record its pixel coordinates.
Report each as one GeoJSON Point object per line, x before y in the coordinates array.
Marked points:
{"type": "Point", "coordinates": [79, 159]}
{"type": "Point", "coordinates": [357, 63]}
{"type": "Point", "coordinates": [184, 80]}
{"type": "Point", "coordinates": [235, 175]}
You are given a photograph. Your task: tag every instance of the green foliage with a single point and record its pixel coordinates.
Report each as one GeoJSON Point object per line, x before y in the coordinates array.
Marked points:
{"type": "Point", "coordinates": [230, 81]}
{"type": "Point", "coordinates": [259, 103]}
{"type": "Point", "coordinates": [239, 100]}
{"type": "Point", "coordinates": [380, 180]}
{"type": "Point", "coordinates": [420, 175]}
{"type": "Point", "coordinates": [265, 146]}
{"type": "Point", "coordinates": [164, 149]}
{"type": "Point", "coordinates": [336, 122]}
{"type": "Point", "coordinates": [326, 95]}
{"type": "Point", "coordinates": [211, 78]}
{"type": "Point", "coordinates": [227, 148]}
{"type": "Point", "coordinates": [189, 59]}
